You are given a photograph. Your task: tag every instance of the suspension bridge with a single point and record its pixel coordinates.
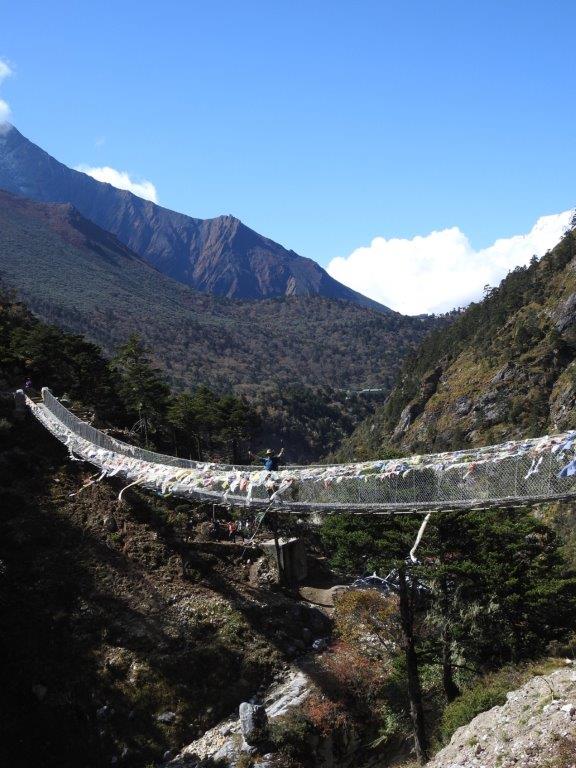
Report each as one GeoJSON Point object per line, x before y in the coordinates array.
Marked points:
{"type": "Point", "coordinates": [509, 474]}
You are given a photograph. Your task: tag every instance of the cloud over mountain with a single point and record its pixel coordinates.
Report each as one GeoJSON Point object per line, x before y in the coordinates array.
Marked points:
{"type": "Point", "coordinates": [121, 180]}
{"type": "Point", "coordinates": [5, 111]}
{"type": "Point", "coordinates": [441, 270]}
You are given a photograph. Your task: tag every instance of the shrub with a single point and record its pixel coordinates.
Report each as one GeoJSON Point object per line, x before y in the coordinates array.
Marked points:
{"type": "Point", "coordinates": [392, 726]}
{"type": "Point", "coordinates": [291, 734]}
{"type": "Point", "coordinates": [465, 708]}
{"type": "Point", "coordinates": [325, 715]}
{"type": "Point", "coordinates": [244, 761]}
{"type": "Point", "coordinates": [356, 675]}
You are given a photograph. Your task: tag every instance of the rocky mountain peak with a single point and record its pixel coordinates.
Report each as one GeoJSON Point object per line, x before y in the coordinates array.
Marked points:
{"type": "Point", "coordinates": [220, 256]}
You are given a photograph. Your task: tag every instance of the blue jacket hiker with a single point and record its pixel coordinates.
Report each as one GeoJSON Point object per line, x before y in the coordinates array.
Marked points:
{"type": "Point", "coordinates": [270, 460]}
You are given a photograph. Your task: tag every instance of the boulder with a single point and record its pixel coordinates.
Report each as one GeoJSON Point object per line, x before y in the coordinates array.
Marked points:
{"type": "Point", "coordinates": [226, 755]}
{"type": "Point", "coordinates": [491, 408]}
{"type": "Point", "coordinates": [563, 403]}
{"type": "Point", "coordinates": [253, 723]}
{"type": "Point", "coordinates": [406, 418]}
{"type": "Point", "coordinates": [506, 373]}
{"type": "Point", "coordinates": [166, 717]}
{"type": "Point", "coordinates": [462, 406]}
{"type": "Point", "coordinates": [416, 406]}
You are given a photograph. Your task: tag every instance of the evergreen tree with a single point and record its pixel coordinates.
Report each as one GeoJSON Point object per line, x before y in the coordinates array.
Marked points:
{"type": "Point", "coordinates": [142, 387]}
{"type": "Point", "coordinates": [66, 363]}
{"type": "Point", "coordinates": [203, 422]}
{"type": "Point", "coordinates": [497, 589]}
{"type": "Point", "coordinates": [382, 544]}
{"type": "Point", "coordinates": [501, 590]}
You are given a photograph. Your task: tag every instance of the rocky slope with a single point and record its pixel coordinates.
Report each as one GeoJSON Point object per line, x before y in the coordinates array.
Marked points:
{"type": "Point", "coordinates": [505, 368]}
{"type": "Point", "coordinates": [83, 279]}
{"type": "Point", "coordinates": [221, 256]}
{"type": "Point", "coordinates": [125, 634]}
{"type": "Point", "coordinates": [536, 728]}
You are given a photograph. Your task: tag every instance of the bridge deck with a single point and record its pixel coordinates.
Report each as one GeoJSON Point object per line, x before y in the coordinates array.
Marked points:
{"type": "Point", "coordinates": [516, 473]}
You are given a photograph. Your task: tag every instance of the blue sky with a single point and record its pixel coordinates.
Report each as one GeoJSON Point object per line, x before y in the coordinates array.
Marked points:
{"type": "Point", "coordinates": [320, 124]}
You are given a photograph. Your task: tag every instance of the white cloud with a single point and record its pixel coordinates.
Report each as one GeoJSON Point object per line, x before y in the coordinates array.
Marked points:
{"type": "Point", "coordinates": [122, 180]}
{"type": "Point", "coordinates": [5, 111]}
{"type": "Point", "coordinates": [5, 70]}
{"type": "Point", "coordinates": [440, 271]}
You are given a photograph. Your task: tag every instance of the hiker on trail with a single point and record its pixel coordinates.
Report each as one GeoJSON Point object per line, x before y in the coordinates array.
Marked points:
{"type": "Point", "coordinates": [28, 385]}
{"type": "Point", "coordinates": [232, 531]}
{"type": "Point", "coordinates": [270, 460]}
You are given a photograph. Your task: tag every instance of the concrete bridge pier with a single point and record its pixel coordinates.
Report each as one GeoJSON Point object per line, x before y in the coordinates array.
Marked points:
{"type": "Point", "coordinates": [290, 558]}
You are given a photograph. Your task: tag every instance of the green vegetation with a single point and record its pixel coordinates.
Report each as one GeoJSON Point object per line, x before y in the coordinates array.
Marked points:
{"type": "Point", "coordinates": [127, 393]}
{"type": "Point", "coordinates": [489, 692]}
{"type": "Point", "coordinates": [312, 422]}
{"type": "Point", "coordinates": [83, 280]}
{"type": "Point", "coordinates": [133, 393]}
{"type": "Point", "coordinates": [491, 589]}
{"type": "Point", "coordinates": [502, 368]}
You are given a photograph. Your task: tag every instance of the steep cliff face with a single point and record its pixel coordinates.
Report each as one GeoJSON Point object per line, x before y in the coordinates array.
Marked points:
{"type": "Point", "coordinates": [221, 256]}
{"type": "Point", "coordinates": [505, 368]}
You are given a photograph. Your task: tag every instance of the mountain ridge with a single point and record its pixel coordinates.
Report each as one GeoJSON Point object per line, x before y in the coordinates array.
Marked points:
{"type": "Point", "coordinates": [83, 279]}
{"type": "Point", "coordinates": [221, 255]}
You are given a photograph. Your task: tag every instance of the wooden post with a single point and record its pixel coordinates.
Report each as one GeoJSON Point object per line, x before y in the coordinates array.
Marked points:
{"type": "Point", "coordinates": [273, 522]}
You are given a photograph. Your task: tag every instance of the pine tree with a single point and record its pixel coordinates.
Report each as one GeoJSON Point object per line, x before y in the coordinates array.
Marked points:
{"type": "Point", "coordinates": [500, 589]}
{"type": "Point", "coordinates": [142, 387]}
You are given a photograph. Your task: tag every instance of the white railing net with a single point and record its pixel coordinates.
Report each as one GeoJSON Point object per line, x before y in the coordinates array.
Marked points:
{"type": "Point", "coordinates": [530, 470]}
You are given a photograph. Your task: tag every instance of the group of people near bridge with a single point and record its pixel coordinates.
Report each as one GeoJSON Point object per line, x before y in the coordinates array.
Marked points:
{"type": "Point", "coordinates": [222, 530]}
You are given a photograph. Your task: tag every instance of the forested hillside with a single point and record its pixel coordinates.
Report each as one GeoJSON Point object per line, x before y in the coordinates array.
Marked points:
{"type": "Point", "coordinates": [104, 629]}
{"type": "Point", "coordinates": [129, 393]}
{"type": "Point", "coordinates": [505, 368]}
{"type": "Point", "coordinates": [73, 274]}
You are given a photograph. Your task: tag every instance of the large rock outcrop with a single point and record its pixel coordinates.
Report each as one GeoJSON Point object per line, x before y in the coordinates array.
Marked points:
{"type": "Point", "coordinates": [535, 728]}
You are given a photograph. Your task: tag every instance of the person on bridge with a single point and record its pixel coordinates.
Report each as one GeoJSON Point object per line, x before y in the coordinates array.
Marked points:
{"type": "Point", "coordinates": [270, 460]}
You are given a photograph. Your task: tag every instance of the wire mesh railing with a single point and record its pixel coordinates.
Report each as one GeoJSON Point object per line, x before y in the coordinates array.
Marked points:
{"type": "Point", "coordinates": [101, 439]}
{"type": "Point", "coordinates": [536, 469]}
